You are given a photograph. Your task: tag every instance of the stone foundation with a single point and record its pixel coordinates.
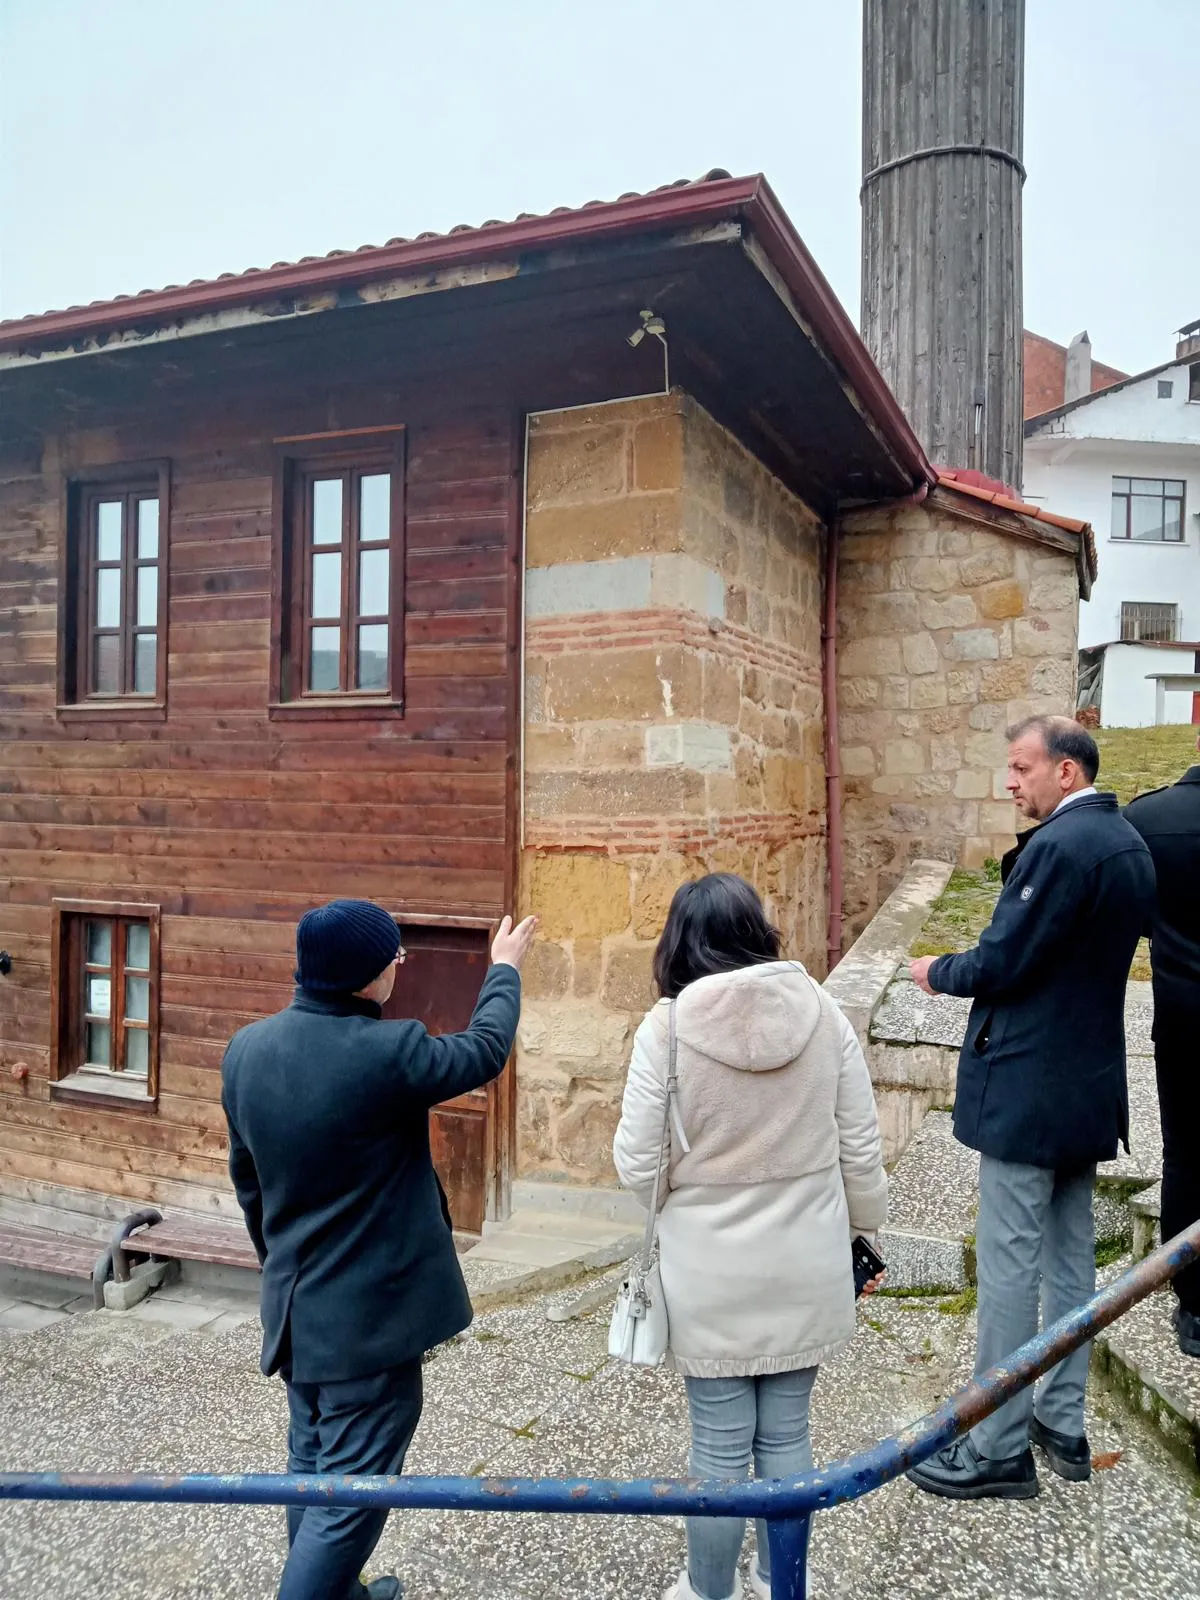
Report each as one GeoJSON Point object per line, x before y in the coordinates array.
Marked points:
{"type": "Point", "coordinates": [947, 633]}
{"type": "Point", "coordinates": [673, 726]}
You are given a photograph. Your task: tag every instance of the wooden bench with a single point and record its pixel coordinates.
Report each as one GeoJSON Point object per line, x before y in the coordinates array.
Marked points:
{"type": "Point", "coordinates": [218, 1244]}
{"type": "Point", "coordinates": [64, 1255]}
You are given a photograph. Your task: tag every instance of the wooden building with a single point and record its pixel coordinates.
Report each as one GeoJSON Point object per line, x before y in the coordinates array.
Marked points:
{"type": "Point", "coordinates": [306, 575]}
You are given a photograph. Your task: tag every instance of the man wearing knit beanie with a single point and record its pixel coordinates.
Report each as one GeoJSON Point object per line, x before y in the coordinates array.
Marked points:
{"type": "Point", "coordinates": [328, 1111]}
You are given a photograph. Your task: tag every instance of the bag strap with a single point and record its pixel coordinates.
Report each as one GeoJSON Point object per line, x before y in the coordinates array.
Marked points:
{"type": "Point", "coordinates": [672, 1084]}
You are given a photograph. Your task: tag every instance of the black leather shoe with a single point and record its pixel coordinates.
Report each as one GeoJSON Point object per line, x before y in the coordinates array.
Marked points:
{"type": "Point", "coordinates": [1187, 1331]}
{"type": "Point", "coordinates": [1069, 1454]}
{"type": "Point", "coordinates": [385, 1589]}
{"type": "Point", "coordinates": [960, 1473]}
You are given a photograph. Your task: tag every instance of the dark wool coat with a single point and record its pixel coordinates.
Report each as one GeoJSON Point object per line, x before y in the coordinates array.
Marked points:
{"type": "Point", "coordinates": [328, 1111]}
{"type": "Point", "coordinates": [1041, 1077]}
{"type": "Point", "coordinates": [1169, 821]}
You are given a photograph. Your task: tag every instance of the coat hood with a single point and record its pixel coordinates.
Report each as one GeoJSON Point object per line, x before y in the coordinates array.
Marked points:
{"type": "Point", "coordinates": [756, 1019]}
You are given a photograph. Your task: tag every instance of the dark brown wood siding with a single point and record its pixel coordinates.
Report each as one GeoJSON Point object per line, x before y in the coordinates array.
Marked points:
{"type": "Point", "coordinates": [232, 821]}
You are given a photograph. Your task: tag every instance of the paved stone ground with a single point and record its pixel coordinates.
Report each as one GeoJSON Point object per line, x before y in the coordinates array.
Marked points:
{"type": "Point", "coordinates": [166, 1388]}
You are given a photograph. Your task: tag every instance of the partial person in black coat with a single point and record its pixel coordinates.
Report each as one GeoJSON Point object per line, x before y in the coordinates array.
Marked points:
{"type": "Point", "coordinates": [1169, 821]}
{"type": "Point", "coordinates": [1041, 1089]}
{"type": "Point", "coordinates": [328, 1111]}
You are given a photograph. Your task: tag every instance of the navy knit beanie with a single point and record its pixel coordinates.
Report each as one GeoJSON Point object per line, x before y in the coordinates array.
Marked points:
{"type": "Point", "coordinates": [343, 946]}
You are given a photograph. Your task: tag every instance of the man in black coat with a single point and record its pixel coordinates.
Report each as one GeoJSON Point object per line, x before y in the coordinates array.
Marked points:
{"type": "Point", "coordinates": [328, 1111]}
{"type": "Point", "coordinates": [1169, 821]}
{"type": "Point", "coordinates": [1041, 1090]}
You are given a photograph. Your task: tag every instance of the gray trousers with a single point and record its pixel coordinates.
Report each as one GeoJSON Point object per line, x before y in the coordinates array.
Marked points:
{"type": "Point", "coordinates": [1035, 1240]}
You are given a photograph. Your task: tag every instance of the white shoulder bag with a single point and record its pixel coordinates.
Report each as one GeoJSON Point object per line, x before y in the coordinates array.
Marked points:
{"type": "Point", "coordinates": [638, 1332]}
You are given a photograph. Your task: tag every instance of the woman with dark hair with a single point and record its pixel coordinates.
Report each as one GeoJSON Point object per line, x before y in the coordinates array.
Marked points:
{"type": "Point", "coordinates": [774, 1164]}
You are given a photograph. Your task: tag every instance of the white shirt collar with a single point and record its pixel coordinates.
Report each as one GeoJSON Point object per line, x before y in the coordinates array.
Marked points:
{"type": "Point", "coordinates": [1079, 794]}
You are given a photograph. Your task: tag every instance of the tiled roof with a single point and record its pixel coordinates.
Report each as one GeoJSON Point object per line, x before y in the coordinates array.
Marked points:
{"type": "Point", "coordinates": [980, 487]}
{"type": "Point", "coordinates": [248, 274]}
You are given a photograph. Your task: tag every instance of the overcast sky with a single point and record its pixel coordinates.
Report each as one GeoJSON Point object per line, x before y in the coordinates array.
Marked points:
{"type": "Point", "coordinates": [145, 142]}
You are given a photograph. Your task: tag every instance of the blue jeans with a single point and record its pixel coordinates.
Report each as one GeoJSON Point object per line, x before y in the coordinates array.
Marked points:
{"type": "Point", "coordinates": [1035, 1239]}
{"type": "Point", "coordinates": [736, 1422]}
{"type": "Point", "coordinates": [360, 1425]}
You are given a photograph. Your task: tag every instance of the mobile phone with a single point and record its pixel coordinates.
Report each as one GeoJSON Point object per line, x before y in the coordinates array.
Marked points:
{"type": "Point", "coordinates": [868, 1264]}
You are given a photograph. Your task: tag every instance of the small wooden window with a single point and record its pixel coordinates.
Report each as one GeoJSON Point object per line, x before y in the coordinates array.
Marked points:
{"type": "Point", "coordinates": [105, 1000]}
{"type": "Point", "coordinates": [115, 587]}
{"type": "Point", "coordinates": [340, 611]}
{"type": "Point", "coordinates": [1149, 621]}
{"type": "Point", "coordinates": [1148, 510]}
{"type": "Point", "coordinates": [1194, 381]}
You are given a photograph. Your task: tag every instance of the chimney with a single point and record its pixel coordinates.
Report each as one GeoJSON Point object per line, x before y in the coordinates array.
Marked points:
{"type": "Point", "coordinates": [1078, 380]}
{"type": "Point", "coordinates": [1189, 342]}
{"type": "Point", "coordinates": [943, 90]}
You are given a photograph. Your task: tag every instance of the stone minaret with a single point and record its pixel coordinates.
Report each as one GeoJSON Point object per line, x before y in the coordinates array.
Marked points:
{"type": "Point", "coordinates": [943, 90]}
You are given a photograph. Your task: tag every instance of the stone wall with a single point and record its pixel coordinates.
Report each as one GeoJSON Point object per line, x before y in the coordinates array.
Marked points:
{"type": "Point", "coordinates": [672, 726]}
{"type": "Point", "coordinates": [947, 633]}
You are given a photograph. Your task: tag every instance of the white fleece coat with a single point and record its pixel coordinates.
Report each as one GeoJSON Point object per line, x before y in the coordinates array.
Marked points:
{"type": "Point", "coordinates": [783, 1166]}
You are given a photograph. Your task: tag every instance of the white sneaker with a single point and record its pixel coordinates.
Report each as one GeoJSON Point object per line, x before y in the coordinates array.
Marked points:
{"type": "Point", "coordinates": [682, 1589]}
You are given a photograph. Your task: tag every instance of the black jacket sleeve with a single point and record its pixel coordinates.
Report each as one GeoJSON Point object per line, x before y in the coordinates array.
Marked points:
{"type": "Point", "coordinates": [1038, 912]}
{"type": "Point", "coordinates": [246, 1185]}
{"type": "Point", "coordinates": [437, 1069]}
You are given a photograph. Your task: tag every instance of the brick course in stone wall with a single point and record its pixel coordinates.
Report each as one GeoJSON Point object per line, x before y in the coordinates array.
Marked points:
{"type": "Point", "coordinates": [673, 725]}
{"type": "Point", "coordinates": [947, 634]}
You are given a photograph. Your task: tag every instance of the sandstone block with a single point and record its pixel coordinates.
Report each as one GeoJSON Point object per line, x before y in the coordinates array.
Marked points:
{"type": "Point", "coordinates": [945, 752]}
{"type": "Point", "coordinates": [962, 686]}
{"type": "Point", "coordinates": [972, 785]}
{"type": "Point", "coordinates": [1052, 634]}
{"type": "Point", "coordinates": [625, 526]}
{"type": "Point", "coordinates": [737, 604]}
{"type": "Point", "coordinates": [994, 561]}
{"type": "Point", "coordinates": [1054, 591]}
{"type": "Point", "coordinates": [654, 888]}
{"type": "Point", "coordinates": [584, 464]}
{"type": "Point", "coordinates": [999, 600]}
{"type": "Point", "coordinates": [996, 816]}
{"type": "Point", "coordinates": [896, 693]}
{"type": "Point", "coordinates": [943, 719]}
{"type": "Point", "coordinates": [578, 895]}
{"type": "Point", "coordinates": [986, 717]}
{"type": "Point", "coordinates": [737, 492]}
{"type": "Point", "coordinates": [859, 760]}
{"type": "Point", "coordinates": [929, 785]}
{"type": "Point", "coordinates": [928, 692]}
{"type": "Point", "coordinates": [626, 685]}
{"type": "Point", "coordinates": [954, 611]}
{"type": "Point", "coordinates": [658, 454]}
{"type": "Point", "coordinates": [628, 980]}
{"type": "Point", "coordinates": [859, 578]}
{"type": "Point", "coordinates": [1000, 683]}
{"type": "Point", "coordinates": [974, 644]}
{"type": "Point", "coordinates": [931, 573]}
{"type": "Point", "coordinates": [908, 819]}
{"type": "Point", "coordinates": [572, 1031]}
{"type": "Point", "coordinates": [904, 755]}
{"type": "Point", "coordinates": [583, 1130]}
{"type": "Point", "coordinates": [986, 750]}
{"type": "Point", "coordinates": [857, 692]}
{"type": "Point", "coordinates": [605, 745]}
{"type": "Point", "coordinates": [954, 542]}
{"type": "Point", "coordinates": [548, 748]}
{"type": "Point", "coordinates": [869, 657]}
{"type": "Point", "coordinates": [1056, 679]}
{"type": "Point", "coordinates": [889, 613]}
{"type": "Point", "coordinates": [586, 964]}
{"type": "Point", "coordinates": [920, 653]}
{"type": "Point", "coordinates": [547, 972]}
{"type": "Point", "coordinates": [531, 1032]}
{"type": "Point", "coordinates": [722, 691]}
{"type": "Point", "coordinates": [667, 791]}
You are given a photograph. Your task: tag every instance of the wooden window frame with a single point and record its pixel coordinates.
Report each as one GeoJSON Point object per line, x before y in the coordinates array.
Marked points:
{"type": "Point", "coordinates": [76, 569]}
{"type": "Point", "coordinates": [1128, 496]}
{"type": "Point", "coordinates": [357, 453]}
{"type": "Point", "coordinates": [1134, 615]}
{"type": "Point", "coordinates": [71, 1080]}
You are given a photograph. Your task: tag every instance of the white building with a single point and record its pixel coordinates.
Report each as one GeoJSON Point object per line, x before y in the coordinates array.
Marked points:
{"type": "Point", "coordinates": [1127, 459]}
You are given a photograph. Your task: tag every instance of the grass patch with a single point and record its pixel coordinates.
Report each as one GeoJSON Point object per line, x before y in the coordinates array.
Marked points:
{"type": "Point", "coordinates": [484, 1337]}
{"type": "Point", "coordinates": [960, 913]}
{"type": "Point", "coordinates": [961, 1304]}
{"type": "Point", "coordinates": [1133, 760]}
{"type": "Point", "coordinates": [1110, 1250]}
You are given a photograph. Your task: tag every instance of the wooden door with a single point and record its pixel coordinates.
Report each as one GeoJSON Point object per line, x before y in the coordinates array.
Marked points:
{"type": "Point", "coordinates": [439, 984]}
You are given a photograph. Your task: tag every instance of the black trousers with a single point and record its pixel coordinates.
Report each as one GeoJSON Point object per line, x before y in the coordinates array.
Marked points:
{"type": "Point", "coordinates": [1177, 1067]}
{"type": "Point", "coordinates": [360, 1425]}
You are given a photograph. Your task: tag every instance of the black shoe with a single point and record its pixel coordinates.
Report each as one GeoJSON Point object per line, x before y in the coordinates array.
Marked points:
{"type": "Point", "coordinates": [1069, 1454]}
{"type": "Point", "coordinates": [1187, 1330]}
{"type": "Point", "coordinates": [960, 1473]}
{"type": "Point", "coordinates": [385, 1589]}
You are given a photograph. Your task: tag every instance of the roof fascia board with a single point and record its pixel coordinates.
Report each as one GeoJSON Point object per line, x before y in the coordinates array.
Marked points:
{"type": "Point", "coordinates": [998, 520]}
{"type": "Point", "coordinates": [668, 209]}
{"type": "Point", "coordinates": [1035, 423]}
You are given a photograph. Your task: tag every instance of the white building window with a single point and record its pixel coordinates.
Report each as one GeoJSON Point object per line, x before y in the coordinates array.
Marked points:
{"type": "Point", "coordinates": [1149, 622]}
{"type": "Point", "coordinates": [1148, 510]}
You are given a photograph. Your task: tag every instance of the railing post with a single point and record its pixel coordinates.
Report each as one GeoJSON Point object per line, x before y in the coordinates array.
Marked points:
{"type": "Point", "coordinates": [789, 1557]}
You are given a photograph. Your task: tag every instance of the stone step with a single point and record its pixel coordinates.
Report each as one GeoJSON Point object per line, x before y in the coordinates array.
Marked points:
{"type": "Point", "coordinates": [535, 1249]}
{"type": "Point", "coordinates": [612, 1205]}
{"type": "Point", "coordinates": [1146, 1207]}
{"type": "Point", "coordinates": [1140, 1358]}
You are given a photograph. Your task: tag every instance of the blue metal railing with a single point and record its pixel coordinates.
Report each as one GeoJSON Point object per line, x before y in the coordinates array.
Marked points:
{"type": "Point", "coordinates": [787, 1504]}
